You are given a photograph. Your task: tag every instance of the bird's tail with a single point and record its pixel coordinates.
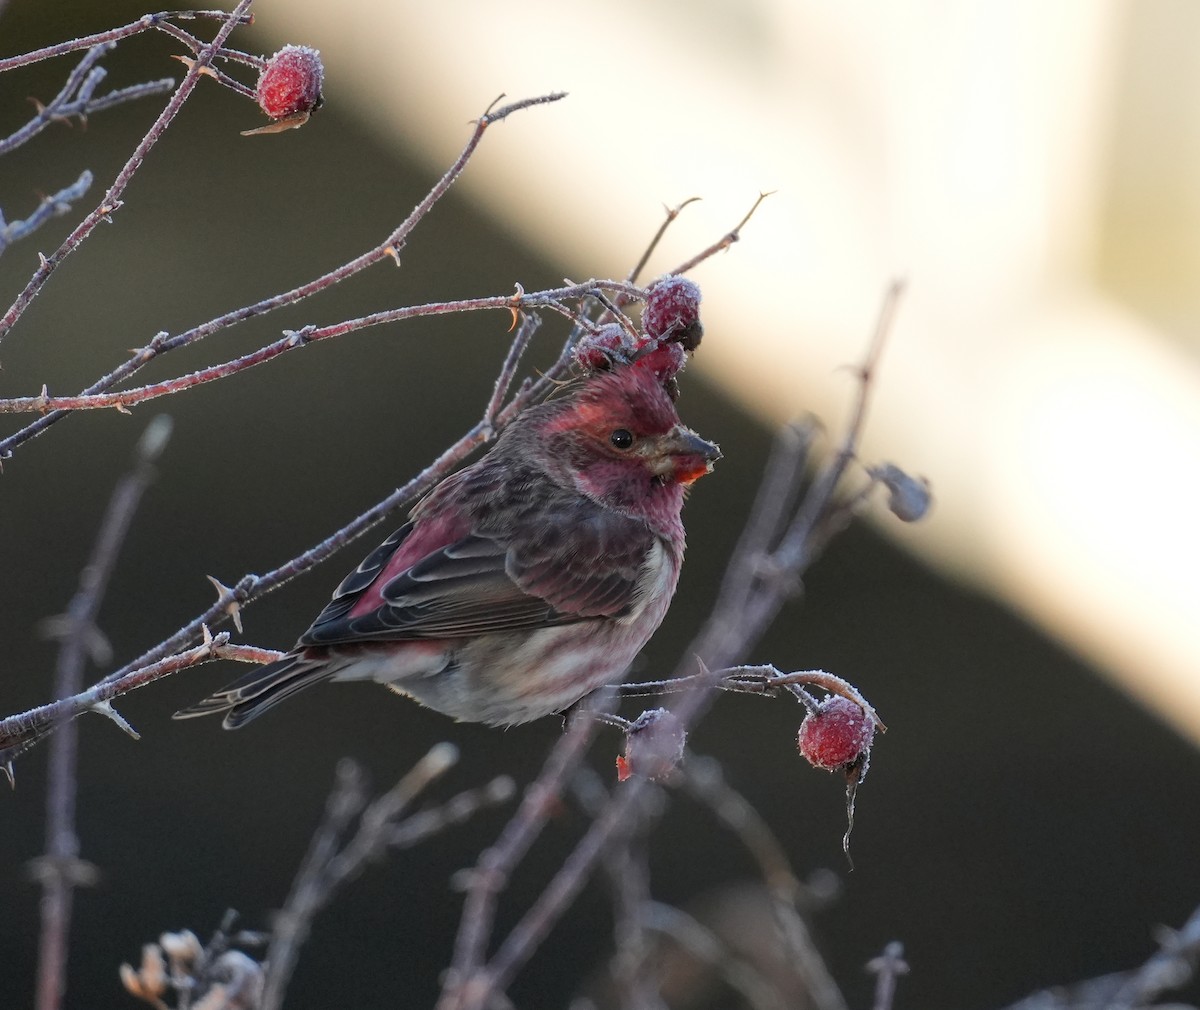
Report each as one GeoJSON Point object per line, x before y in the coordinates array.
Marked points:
{"type": "Point", "coordinates": [261, 688]}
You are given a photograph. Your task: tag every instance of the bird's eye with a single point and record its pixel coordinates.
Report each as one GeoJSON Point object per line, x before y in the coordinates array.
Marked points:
{"type": "Point", "coordinates": [621, 438]}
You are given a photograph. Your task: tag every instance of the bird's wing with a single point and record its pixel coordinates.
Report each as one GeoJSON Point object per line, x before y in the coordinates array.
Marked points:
{"type": "Point", "coordinates": [575, 565]}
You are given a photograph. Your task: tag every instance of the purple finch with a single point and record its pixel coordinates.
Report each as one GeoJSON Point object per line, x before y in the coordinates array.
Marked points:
{"type": "Point", "coordinates": [521, 583]}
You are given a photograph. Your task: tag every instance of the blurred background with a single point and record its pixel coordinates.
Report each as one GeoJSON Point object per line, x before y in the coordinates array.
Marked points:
{"type": "Point", "coordinates": [1031, 171]}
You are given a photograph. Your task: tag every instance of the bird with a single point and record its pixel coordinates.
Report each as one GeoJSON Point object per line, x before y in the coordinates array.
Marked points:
{"type": "Point", "coordinates": [521, 583]}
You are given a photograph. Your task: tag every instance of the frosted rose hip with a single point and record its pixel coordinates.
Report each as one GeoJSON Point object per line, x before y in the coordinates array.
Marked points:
{"type": "Point", "coordinates": [672, 311]}
{"type": "Point", "coordinates": [836, 734]}
{"type": "Point", "coordinates": [290, 84]}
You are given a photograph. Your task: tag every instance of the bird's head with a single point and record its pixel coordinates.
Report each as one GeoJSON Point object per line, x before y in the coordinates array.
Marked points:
{"type": "Point", "coordinates": [623, 443]}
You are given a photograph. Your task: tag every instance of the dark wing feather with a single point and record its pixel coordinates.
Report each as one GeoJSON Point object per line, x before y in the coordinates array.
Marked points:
{"type": "Point", "coordinates": [577, 564]}
{"type": "Point", "coordinates": [357, 582]}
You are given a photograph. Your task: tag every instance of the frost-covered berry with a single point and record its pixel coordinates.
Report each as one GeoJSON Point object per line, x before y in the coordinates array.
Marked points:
{"type": "Point", "coordinates": [672, 312]}
{"type": "Point", "coordinates": [599, 351]}
{"type": "Point", "coordinates": [654, 745]}
{"type": "Point", "coordinates": [837, 734]}
{"type": "Point", "coordinates": [290, 84]}
{"type": "Point", "coordinates": [665, 361]}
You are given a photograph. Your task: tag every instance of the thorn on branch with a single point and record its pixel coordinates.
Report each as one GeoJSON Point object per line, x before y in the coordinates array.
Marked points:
{"type": "Point", "coordinates": [228, 600]}
{"type": "Point", "coordinates": [106, 709]}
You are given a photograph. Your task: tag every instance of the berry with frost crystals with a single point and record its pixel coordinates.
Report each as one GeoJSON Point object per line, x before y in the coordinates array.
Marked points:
{"type": "Point", "coordinates": [290, 84]}
{"type": "Point", "coordinates": [836, 734]}
{"type": "Point", "coordinates": [654, 745]}
{"type": "Point", "coordinates": [665, 361]}
{"type": "Point", "coordinates": [672, 312]}
{"type": "Point", "coordinates": [599, 351]}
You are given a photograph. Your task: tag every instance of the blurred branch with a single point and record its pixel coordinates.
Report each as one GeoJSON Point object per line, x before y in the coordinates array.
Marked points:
{"type": "Point", "coordinates": [703, 779]}
{"type": "Point", "coordinates": [52, 206]}
{"type": "Point", "coordinates": [332, 860]}
{"type": "Point", "coordinates": [634, 968]}
{"type": "Point", "coordinates": [60, 870]}
{"type": "Point", "coordinates": [77, 97]}
{"type": "Point", "coordinates": [781, 538]}
{"type": "Point", "coordinates": [1169, 968]}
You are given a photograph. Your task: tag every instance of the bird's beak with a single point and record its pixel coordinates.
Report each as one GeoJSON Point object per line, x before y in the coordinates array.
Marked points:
{"type": "Point", "coordinates": [682, 455]}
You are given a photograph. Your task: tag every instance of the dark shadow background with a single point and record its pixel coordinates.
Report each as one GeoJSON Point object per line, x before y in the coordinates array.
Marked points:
{"type": "Point", "coordinates": [1023, 824]}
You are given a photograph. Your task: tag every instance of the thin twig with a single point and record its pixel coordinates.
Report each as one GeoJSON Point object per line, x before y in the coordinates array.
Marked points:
{"type": "Point", "coordinates": [762, 679]}
{"type": "Point", "coordinates": [723, 243]}
{"type": "Point", "coordinates": [142, 24]}
{"type": "Point", "coordinates": [672, 214]}
{"type": "Point", "coordinates": [60, 869]}
{"type": "Point", "coordinates": [390, 247]}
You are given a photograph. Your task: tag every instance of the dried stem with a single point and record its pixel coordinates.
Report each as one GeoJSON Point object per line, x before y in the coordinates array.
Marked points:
{"type": "Point", "coordinates": [672, 214]}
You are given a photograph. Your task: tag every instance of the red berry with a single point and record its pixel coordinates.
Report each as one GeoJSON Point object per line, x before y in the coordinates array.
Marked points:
{"type": "Point", "coordinates": [837, 734]}
{"type": "Point", "coordinates": [665, 361]}
{"type": "Point", "coordinates": [290, 84]}
{"type": "Point", "coordinates": [672, 312]}
{"type": "Point", "coordinates": [599, 351]}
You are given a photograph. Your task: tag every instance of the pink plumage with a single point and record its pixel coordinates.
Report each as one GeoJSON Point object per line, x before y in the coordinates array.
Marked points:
{"type": "Point", "coordinates": [521, 583]}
